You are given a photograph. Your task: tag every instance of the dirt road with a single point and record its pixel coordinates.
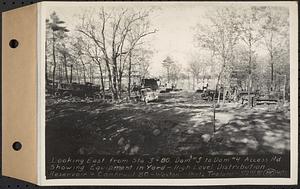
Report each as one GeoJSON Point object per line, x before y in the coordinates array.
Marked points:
{"type": "Point", "coordinates": [179, 123]}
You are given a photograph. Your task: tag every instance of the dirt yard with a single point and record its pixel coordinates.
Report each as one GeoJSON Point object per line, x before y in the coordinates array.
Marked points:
{"type": "Point", "coordinates": [179, 123]}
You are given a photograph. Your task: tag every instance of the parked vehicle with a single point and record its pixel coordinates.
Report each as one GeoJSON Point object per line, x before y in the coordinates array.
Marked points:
{"type": "Point", "coordinates": [209, 94]}
{"type": "Point", "coordinates": [243, 96]}
{"type": "Point", "coordinates": [147, 90]}
{"type": "Point", "coordinates": [147, 95]}
{"type": "Point", "coordinates": [74, 89]}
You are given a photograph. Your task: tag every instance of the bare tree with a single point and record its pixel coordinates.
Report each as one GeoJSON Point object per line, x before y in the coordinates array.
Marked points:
{"type": "Point", "coordinates": [58, 33]}
{"type": "Point", "coordinates": [167, 63]}
{"type": "Point", "coordinates": [64, 56]}
{"type": "Point", "coordinates": [194, 67]}
{"type": "Point", "coordinates": [143, 61]}
{"type": "Point", "coordinates": [274, 32]}
{"type": "Point", "coordinates": [250, 37]}
{"type": "Point", "coordinates": [139, 30]}
{"type": "Point", "coordinates": [175, 71]}
{"type": "Point", "coordinates": [94, 53]}
{"type": "Point", "coordinates": [220, 37]}
{"type": "Point", "coordinates": [109, 31]}
{"type": "Point", "coordinates": [78, 56]}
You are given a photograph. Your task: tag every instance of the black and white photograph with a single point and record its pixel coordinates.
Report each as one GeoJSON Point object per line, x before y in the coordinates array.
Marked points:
{"type": "Point", "coordinates": [169, 83]}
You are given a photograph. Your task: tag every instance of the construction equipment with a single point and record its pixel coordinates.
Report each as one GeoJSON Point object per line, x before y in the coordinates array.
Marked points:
{"type": "Point", "coordinates": [74, 89]}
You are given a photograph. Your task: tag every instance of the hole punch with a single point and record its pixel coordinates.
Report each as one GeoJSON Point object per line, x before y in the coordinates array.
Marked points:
{"type": "Point", "coordinates": [17, 146]}
{"type": "Point", "coordinates": [13, 43]}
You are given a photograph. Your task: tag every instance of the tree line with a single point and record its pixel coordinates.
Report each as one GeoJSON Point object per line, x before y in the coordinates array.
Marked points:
{"type": "Point", "coordinates": [110, 42]}
{"type": "Point", "coordinates": [250, 44]}
{"type": "Point", "coordinates": [242, 47]}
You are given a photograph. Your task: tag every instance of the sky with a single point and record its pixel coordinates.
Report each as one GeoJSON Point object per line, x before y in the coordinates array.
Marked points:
{"type": "Point", "coordinates": [175, 34]}
{"type": "Point", "coordinates": [174, 23]}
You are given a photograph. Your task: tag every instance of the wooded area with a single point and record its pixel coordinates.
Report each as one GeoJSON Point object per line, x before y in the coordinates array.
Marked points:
{"type": "Point", "coordinates": [244, 49]}
{"type": "Point", "coordinates": [234, 88]}
{"type": "Point", "coordinates": [109, 43]}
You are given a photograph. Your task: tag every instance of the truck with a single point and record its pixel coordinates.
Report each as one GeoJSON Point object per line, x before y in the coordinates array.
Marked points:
{"type": "Point", "coordinates": [147, 91]}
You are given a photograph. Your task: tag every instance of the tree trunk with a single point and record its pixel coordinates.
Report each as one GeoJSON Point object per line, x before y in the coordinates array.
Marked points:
{"type": "Point", "coordinates": [271, 61]}
{"type": "Point", "coordinates": [46, 69]}
{"type": "Point", "coordinates": [284, 86]}
{"type": "Point", "coordinates": [214, 96]}
{"type": "Point", "coordinates": [102, 81]}
{"type": "Point", "coordinates": [115, 82]}
{"type": "Point", "coordinates": [91, 74]}
{"type": "Point", "coordinates": [110, 78]}
{"type": "Point", "coordinates": [115, 73]}
{"type": "Point", "coordinates": [193, 83]}
{"type": "Point", "coordinates": [84, 76]}
{"type": "Point", "coordinates": [249, 89]}
{"type": "Point", "coordinates": [119, 79]}
{"type": "Point", "coordinates": [250, 71]}
{"type": "Point", "coordinates": [129, 76]}
{"type": "Point", "coordinates": [60, 73]}
{"type": "Point", "coordinates": [84, 70]}
{"type": "Point", "coordinates": [224, 94]}
{"type": "Point", "coordinates": [214, 106]}
{"type": "Point", "coordinates": [71, 75]}
{"type": "Point", "coordinates": [53, 77]}
{"type": "Point", "coordinates": [120, 84]}
{"type": "Point", "coordinates": [250, 75]}
{"type": "Point", "coordinates": [214, 113]}
{"type": "Point", "coordinates": [272, 74]}
{"type": "Point", "coordinates": [65, 67]}
{"type": "Point", "coordinates": [77, 74]}
{"type": "Point", "coordinates": [219, 95]}
{"type": "Point", "coordinates": [54, 62]}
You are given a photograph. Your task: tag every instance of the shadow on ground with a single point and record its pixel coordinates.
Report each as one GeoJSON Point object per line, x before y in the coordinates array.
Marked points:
{"type": "Point", "coordinates": [174, 125]}
{"type": "Point", "coordinates": [253, 132]}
